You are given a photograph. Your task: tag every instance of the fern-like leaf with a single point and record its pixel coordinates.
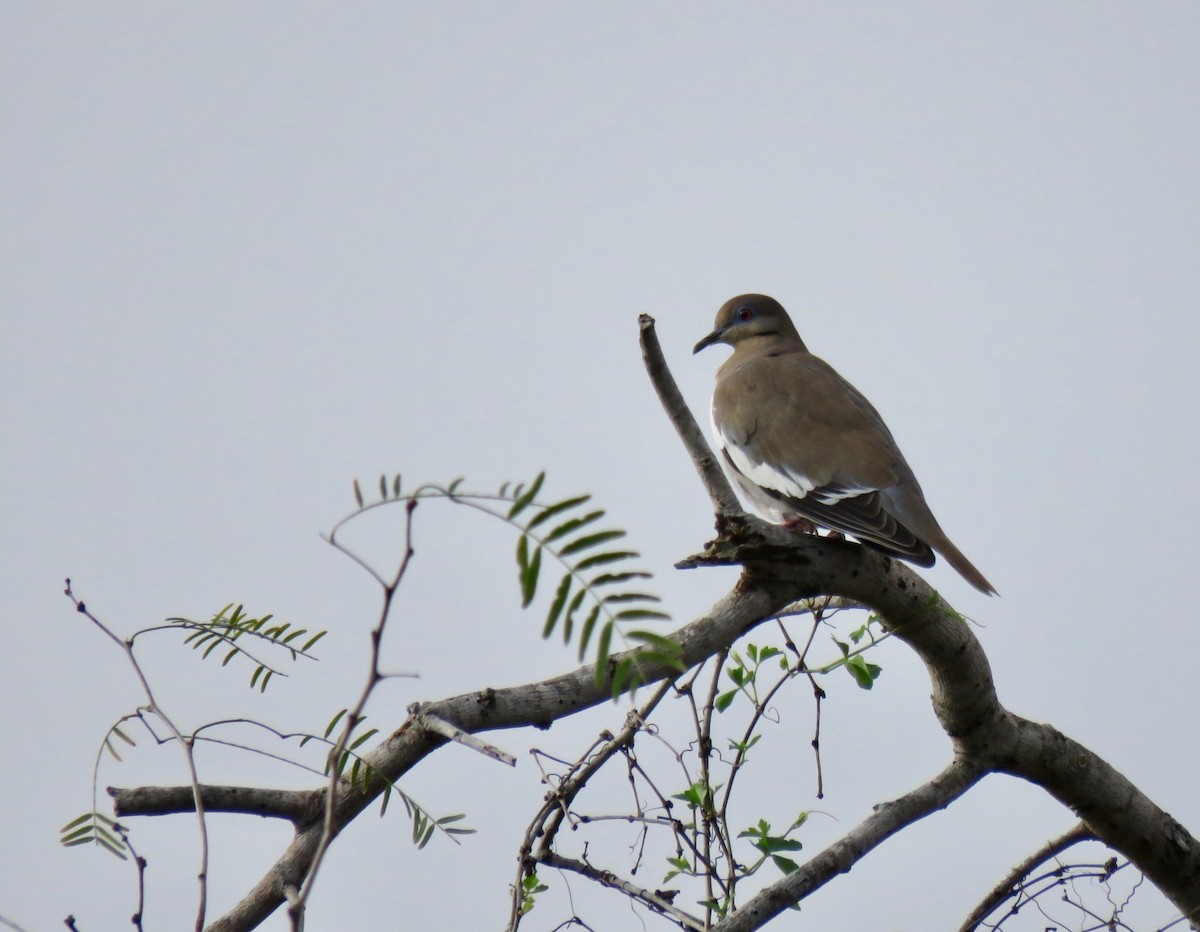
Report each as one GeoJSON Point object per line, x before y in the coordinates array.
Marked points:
{"type": "Point", "coordinates": [231, 631]}
{"type": "Point", "coordinates": [572, 534]}
{"type": "Point", "coordinates": [597, 590]}
{"type": "Point", "coordinates": [96, 829]}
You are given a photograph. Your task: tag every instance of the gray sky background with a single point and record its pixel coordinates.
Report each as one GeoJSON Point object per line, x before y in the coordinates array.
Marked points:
{"type": "Point", "coordinates": [253, 251]}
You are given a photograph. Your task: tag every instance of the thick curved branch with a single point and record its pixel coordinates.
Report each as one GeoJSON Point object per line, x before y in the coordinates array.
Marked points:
{"type": "Point", "coordinates": [1116, 811]}
{"type": "Point", "coordinates": [965, 702]}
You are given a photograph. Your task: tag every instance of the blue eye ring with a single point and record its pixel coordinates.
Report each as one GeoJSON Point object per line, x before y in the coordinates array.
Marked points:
{"type": "Point", "coordinates": [745, 313]}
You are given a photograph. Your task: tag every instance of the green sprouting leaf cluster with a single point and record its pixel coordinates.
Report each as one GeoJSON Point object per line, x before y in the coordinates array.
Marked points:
{"type": "Point", "coordinates": [699, 796]}
{"type": "Point", "coordinates": [599, 587]}
{"type": "Point", "coordinates": [231, 624]}
{"type": "Point", "coordinates": [743, 672]}
{"type": "Point", "coordinates": [530, 888]}
{"type": "Point", "coordinates": [770, 845]}
{"type": "Point", "coordinates": [867, 630]}
{"type": "Point", "coordinates": [94, 828]}
{"type": "Point", "coordinates": [701, 799]}
{"type": "Point", "coordinates": [864, 672]}
{"type": "Point", "coordinates": [680, 866]}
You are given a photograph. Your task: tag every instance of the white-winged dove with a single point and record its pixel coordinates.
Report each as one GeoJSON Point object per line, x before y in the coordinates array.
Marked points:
{"type": "Point", "coordinates": [803, 443]}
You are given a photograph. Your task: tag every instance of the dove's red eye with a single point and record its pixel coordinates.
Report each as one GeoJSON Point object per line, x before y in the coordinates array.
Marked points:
{"type": "Point", "coordinates": [745, 313]}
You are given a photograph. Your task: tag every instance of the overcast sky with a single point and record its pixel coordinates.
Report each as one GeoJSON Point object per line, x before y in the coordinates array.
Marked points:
{"type": "Point", "coordinates": [253, 251]}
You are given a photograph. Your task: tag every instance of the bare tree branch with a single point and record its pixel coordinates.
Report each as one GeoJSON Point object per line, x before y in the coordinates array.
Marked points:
{"type": "Point", "coordinates": [724, 500]}
{"type": "Point", "coordinates": [655, 900]}
{"type": "Point", "coordinates": [299, 806]}
{"type": "Point", "coordinates": [1118, 812]}
{"type": "Point", "coordinates": [843, 854]}
{"type": "Point", "coordinates": [544, 828]}
{"type": "Point", "coordinates": [1007, 887]}
{"type": "Point", "coordinates": [187, 745]}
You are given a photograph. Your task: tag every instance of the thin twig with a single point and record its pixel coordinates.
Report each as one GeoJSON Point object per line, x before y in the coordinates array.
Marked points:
{"type": "Point", "coordinates": [1007, 888]}
{"type": "Point", "coordinates": [719, 490]}
{"type": "Point", "coordinates": [713, 822]}
{"type": "Point", "coordinates": [139, 916]}
{"type": "Point", "coordinates": [544, 828]}
{"type": "Point", "coordinates": [648, 897]}
{"type": "Point", "coordinates": [441, 727]}
{"type": "Point", "coordinates": [839, 857]}
{"type": "Point", "coordinates": [184, 743]}
{"type": "Point", "coordinates": [296, 902]}
{"type": "Point", "coordinates": [760, 708]}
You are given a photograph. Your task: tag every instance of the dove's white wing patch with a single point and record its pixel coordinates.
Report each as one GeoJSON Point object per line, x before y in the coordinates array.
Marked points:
{"type": "Point", "coordinates": [780, 479]}
{"type": "Point", "coordinates": [791, 484]}
{"type": "Point", "coordinates": [785, 482]}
